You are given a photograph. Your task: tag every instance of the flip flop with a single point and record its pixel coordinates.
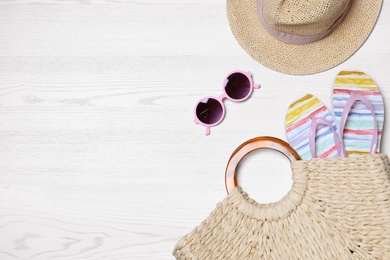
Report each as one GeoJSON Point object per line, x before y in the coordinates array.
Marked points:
{"type": "Point", "coordinates": [359, 112]}
{"type": "Point", "coordinates": [311, 129]}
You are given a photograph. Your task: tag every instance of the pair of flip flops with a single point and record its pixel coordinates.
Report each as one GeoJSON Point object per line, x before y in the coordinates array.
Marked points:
{"type": "Point", "coordinates": [354, 130]}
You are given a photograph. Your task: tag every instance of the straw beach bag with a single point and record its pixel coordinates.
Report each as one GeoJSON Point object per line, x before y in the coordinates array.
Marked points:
{"type": "Point", "coordinates": [337, 208]}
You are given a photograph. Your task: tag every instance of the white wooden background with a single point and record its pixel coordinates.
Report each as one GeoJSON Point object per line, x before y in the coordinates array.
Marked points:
{"type": "Point", "coordinates": [99, 156]}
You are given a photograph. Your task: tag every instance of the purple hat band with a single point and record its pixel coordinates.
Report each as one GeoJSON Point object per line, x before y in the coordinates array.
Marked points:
{"type": "Point", "coordinates": [297, 39]}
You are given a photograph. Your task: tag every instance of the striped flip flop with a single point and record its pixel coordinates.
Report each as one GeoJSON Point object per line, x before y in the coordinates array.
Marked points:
{"type": "Point", "coordinates": [356, 122]}
{"type": "Point", "coordinates": [309, 119]}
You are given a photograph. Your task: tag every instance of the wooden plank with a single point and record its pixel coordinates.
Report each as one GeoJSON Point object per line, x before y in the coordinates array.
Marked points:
{"type": "Point", "coordinates": [100, 158]}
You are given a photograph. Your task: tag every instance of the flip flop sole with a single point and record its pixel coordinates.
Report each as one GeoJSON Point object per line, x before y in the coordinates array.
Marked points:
{"type": "Point", "coordinates": [359, 125]}
{"type": "Point", "coordinates": [297, 124]}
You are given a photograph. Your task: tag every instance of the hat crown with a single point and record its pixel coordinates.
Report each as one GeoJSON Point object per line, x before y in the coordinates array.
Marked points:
{"type": "Point", "coordinates": [303, 17]}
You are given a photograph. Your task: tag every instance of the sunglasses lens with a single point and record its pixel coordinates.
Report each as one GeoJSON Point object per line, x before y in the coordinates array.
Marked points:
{"type": "Point", "coordinates": [237, 86]}
{"type": "Point", "coordinates": [209, 111]}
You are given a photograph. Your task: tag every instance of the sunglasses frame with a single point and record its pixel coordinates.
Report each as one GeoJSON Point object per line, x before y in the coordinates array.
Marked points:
{"type": "Point", "coordinates": [223, 97]}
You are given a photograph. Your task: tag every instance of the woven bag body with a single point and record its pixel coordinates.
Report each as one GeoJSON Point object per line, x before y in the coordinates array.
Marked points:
{"type": "Point", "coordinates": [337, 208]}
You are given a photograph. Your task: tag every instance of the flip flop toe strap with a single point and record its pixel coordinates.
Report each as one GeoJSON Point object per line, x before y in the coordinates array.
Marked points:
{"type": "Point", "coordinates": [312, 136]}
{"type": "Point", "coordinates": [344, 116]}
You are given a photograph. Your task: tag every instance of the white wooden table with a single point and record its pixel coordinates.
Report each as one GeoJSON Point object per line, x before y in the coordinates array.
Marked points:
{"type": "Point", "coordinates": [99, 155]}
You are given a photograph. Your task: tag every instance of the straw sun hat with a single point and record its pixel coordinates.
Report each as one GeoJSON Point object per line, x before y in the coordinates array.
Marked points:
{"type": "Point", "coordinates": [302, 37]}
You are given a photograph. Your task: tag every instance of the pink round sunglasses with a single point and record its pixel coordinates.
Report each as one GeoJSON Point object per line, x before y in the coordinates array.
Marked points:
{"type": "Point", "coordinates": [237, 86]}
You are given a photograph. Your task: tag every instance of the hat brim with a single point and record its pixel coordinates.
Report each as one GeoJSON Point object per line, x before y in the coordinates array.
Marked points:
{"type": "Point", "coordinates": [304, 59]}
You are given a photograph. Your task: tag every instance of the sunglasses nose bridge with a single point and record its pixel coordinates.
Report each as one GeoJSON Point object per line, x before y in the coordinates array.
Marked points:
{"type": "Point", "coordinates": [223, 97]}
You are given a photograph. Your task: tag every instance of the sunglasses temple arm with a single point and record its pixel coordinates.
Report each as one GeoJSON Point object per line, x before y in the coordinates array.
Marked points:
{"type": "Point", "coordinates": [256, 86]}
{"type": "Point", "coordinates": [207, 130]}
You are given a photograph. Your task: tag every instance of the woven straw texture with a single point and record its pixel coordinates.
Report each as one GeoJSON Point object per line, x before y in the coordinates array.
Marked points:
{"type": "Point", "coordinates": [301, 59]}
{"type": "Point", "coordinates": [303, 17]}
{"type": "Point", "coordinates": [337, 208]}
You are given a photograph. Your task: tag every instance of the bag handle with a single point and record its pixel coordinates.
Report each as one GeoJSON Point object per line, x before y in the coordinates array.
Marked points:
{"type": "Point", "coordinates": [257, 143]}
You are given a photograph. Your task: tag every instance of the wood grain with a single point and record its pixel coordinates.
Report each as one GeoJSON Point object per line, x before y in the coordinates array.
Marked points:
{"type": "Point", "coordinates": [100, 158]}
